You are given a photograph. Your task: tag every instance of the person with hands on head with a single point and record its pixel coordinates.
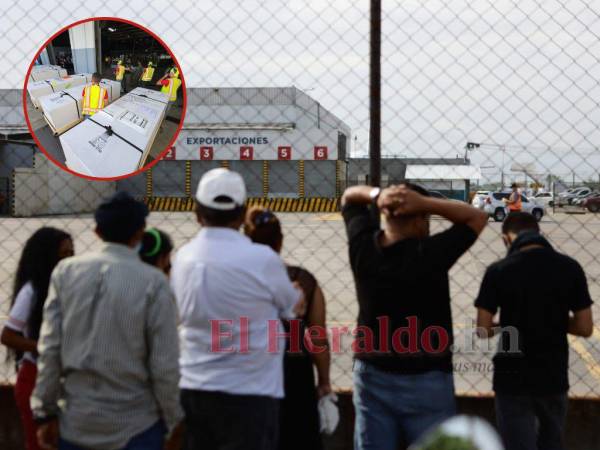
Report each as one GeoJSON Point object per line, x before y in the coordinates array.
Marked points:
{"type": "Point", "coordinates": [108, 350]}
{"type": "Point", "coordinates": [403, 383]}
{"type": "Point", "coordinates": [531, 366]}
{"type": "Point", "coordinates": [232, 295]}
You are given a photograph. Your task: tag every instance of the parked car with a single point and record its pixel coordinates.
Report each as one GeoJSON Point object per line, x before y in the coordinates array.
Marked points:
{"type": "Point", "coordinates": [567, 197]}
{"type": "Point", "coordinates": [497, 209]}
{"type": "Point", "coordinates": [579, 200]}
{"type": "Point", "coordinates": [592, 203]}
{"type": "Point", "coordinates": [544, 198]}
{"type": "Point", "coordinates": [479, 199]}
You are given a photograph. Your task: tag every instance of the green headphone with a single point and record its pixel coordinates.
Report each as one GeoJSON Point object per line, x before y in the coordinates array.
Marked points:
{"type": "Point", "coordinates": [154, 232]}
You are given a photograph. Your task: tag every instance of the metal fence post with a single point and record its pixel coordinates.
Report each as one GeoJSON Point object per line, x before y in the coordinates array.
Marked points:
{"type": "Point", "coordinates": [375, 95]}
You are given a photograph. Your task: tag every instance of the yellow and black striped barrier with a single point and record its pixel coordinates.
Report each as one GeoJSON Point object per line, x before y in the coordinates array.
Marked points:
{"type": "Point", "coordinates": [314, 204]}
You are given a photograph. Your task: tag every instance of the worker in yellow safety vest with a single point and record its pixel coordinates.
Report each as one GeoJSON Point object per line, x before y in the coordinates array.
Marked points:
{"type": "Point", "coordinates": [170, 83]}
{"type": "Point", "coordinates": [120, 71]}
{"type": "Point", "coordinates": [514, 202]}
{"type": "Point", "coordinates": [95, 97]}
{"type": "Point", "coordinates": [147, 74]}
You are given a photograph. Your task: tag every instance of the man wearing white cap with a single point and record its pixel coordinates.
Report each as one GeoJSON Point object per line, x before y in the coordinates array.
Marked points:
{"type": "Point", "coordinates": [231, 294]}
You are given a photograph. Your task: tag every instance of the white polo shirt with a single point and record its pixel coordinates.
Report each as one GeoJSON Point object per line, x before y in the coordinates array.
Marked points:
{"type": "Point", "coordinates": [223, 281]}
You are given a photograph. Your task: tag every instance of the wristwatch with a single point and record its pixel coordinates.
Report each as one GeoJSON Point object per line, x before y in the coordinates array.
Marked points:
{"type": "Point", "coordinates": [374, 194]}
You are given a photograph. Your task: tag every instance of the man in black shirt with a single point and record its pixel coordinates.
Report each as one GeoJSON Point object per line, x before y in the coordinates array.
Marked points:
{"type": "Point", "coordinates": [403, 381]}
{"type": "Point", "coordinates": [531, 366]}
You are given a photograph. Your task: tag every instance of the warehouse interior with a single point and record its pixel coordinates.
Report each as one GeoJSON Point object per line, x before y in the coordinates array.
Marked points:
{"type": "Point", "coordinates": [97, 46]}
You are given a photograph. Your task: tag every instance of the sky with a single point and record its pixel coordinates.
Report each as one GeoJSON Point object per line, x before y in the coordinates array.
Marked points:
{"type": "Point", "coordinates": [519, 74]}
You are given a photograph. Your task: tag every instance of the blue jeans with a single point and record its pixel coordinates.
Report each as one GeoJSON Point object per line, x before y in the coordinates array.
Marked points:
{"type": "Point", "coordinates": [151, 439]}
{"type": "Point", "coordinates": [392, 408]}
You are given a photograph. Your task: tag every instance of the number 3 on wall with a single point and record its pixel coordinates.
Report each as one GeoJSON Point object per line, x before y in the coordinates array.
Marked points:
{"type": "Point", "coordinates": [320, 152]}
{"type": "Point", "coordinates": [206, 153]}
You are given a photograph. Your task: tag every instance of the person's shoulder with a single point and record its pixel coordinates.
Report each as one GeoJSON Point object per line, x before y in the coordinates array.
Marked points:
{"type": "Point", "coordinates": [567, 262]}
{"type": "Point", "coordinates": [261, 252]}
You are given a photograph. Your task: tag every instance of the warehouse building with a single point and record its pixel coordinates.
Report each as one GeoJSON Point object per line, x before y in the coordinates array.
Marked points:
{"type": "Point", "coordinates": [451, 177]}
{"type": "Point", "coordinates": [292, 152]}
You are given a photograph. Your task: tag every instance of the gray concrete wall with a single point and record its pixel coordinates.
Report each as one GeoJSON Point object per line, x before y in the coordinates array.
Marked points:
{"type": "Point", "coordinates": [46, 189]}
{"type": "Point", "coordinates": [319, 178]}
{"type": "Point", "coordinates": [168, 179]}
{"type": "Point", "coordinates": [199, 168]}
{"type": "Point", "coordinates": [283, 179]}
{"type": "Point", "coordinates": [252, 173]}
{"type": "Point", "coordinates": [136, 185]}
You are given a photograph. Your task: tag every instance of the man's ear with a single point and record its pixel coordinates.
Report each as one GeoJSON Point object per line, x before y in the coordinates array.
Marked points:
{"type": "Point", "coordinates": [507, 240]}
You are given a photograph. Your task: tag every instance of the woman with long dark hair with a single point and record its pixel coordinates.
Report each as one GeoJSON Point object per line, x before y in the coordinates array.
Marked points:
{"type": "Point", "coordinates": [156, 249]}
{"type": "Point", "coordinates": [300, 428]}
{"type": "Point", "coordinates": [42, 252]}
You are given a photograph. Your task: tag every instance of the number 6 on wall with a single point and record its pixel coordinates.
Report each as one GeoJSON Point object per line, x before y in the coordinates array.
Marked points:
{"type": "Point", "coordinates": [320, 152]}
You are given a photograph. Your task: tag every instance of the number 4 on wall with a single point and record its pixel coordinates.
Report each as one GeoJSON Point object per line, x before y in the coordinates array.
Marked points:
{"type": "Point", "coordinates": [320, 152]}
{"type": "Point", "coordinates": [246, 152]}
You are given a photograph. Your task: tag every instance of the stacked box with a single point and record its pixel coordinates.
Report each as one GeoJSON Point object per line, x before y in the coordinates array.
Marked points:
{"type": "Point", "coordinates": [113, 87]}
{"type": "Point", "coordinates": [117, 140]}
{"type": "Point", "coordinates": [46, 72]}
{"type": "Point", "coordinates": [38, 89]}
{"type": "Point", "coordinates": [62, 110]}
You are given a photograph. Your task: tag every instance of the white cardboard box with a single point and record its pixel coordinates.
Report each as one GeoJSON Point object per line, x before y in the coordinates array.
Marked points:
{"type": "Point", "coordinates": [38, 89]}
{"type": "Point", "coordinates": [62, 110]}
{"type": "Point", "coordinates": [46, 72]}
{"type": "Point", "coordinates": [113, 87]}
{"type": "Point", "coordinates": [155, 95]}
{"type": "Point", "coordinates": [115, 141]}
{"type": "Point", "coordinates": [90, 149]}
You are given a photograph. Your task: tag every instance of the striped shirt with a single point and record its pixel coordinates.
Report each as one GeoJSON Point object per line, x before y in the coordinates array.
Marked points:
{"type": "Point", "coordinates": [108, 349]}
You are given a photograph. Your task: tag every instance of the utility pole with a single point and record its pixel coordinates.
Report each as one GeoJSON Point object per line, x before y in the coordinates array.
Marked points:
{"type": "Point", "coordinates": [375, 95]}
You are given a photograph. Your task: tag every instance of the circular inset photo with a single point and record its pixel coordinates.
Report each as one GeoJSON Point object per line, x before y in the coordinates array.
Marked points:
{"type": "Point", "coordinates": [104, 98]}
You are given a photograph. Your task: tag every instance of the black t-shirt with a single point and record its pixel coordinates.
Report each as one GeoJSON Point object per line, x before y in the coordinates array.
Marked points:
{"type": "Point", "coordinates": [404, 319]}
{"type": "Point", "coordinates": [534, 289]}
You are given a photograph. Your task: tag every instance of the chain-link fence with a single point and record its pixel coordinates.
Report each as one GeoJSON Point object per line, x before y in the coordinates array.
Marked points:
{"type": "Point", "coordinates": [475, 96]}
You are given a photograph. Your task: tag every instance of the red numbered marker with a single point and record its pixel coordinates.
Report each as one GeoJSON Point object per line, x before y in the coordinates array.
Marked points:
{"type": "Point", "coordinates": [284, 153]}
{"type": "Point", "coordinates": [320, 152]}
{"type": "Point", "coordinates": [246, 152]}
{"type": "Point", "coordinates": [170, 155]}
{"type": "Point", "coordinates": [206, 153]}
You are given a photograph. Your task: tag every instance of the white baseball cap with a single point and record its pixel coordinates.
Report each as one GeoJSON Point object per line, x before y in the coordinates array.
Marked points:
{"type": "Point", "coordinates": [221, 189]}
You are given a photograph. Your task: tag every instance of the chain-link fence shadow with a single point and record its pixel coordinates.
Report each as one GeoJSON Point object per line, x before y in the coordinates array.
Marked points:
{"type": "Point", "coordinates": [476, 96]}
